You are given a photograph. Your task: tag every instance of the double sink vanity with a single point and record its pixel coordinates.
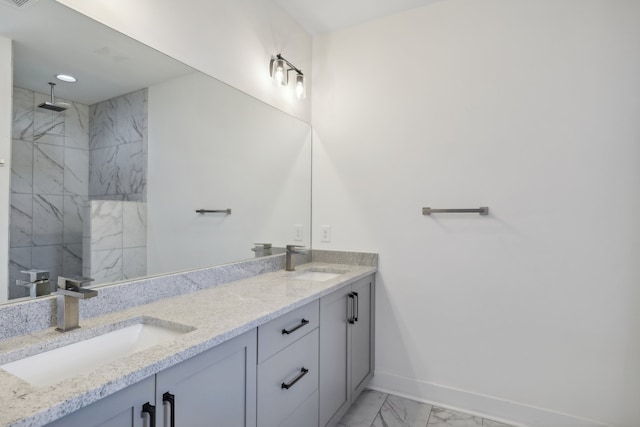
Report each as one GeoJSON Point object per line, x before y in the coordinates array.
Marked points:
{"type": "Point", "coordinates": [248, 344]}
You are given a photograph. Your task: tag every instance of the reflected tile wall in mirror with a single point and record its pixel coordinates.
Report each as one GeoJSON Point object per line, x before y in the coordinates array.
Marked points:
{"type": "Point", "coordinates": [59, 161]}
{"type": "Point", "coordinates": [117, 148]}
{"type": "Point", "coordinates": [49, 181]}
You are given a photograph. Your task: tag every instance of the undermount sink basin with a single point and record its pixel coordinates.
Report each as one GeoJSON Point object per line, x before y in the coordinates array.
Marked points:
{"type": "Point", "coordinates": [53, 366]}
{"type": "Point", "coordinates": [318, 275]}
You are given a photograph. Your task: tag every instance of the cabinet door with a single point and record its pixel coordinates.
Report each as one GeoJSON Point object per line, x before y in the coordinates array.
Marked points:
{"type": "Point", "coordinates": [121, 409]}
{"type": "Point", "coordinates": [362, 336]}
{"type": "Point", "coordinates": [215, 388]}
{"type": "Point", "coordinates": [335, 372]}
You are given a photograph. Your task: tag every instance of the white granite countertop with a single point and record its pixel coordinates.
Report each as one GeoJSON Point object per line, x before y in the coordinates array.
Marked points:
{"type": "Point", "coordinates": [217, 314]}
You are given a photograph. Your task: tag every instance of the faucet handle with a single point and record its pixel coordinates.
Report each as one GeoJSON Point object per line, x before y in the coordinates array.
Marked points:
{"type": "Point", "coordinates": [291, 247]}
{"type": "Point", "coordinates": [261, 246]}
{"type": "Point", "coordinates": [73, 282]}
{"type": "Point", "coordinates": [37, 275]}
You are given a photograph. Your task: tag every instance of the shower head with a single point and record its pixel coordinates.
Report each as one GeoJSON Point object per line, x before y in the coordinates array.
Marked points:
{"type": "Point", "coordinates": [53, 105]}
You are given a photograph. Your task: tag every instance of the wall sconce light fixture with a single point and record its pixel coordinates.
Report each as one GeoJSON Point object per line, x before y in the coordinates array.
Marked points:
{"type": "Point", "coordinates": [279, 69]}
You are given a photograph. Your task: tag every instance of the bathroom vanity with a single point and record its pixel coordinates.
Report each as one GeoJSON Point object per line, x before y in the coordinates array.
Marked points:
{"type": "Point", "coordinates": [276, 349]}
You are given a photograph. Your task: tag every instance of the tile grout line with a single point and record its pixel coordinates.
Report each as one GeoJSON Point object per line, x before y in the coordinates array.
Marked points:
{"type": "Point", "coordinates": [380, 410]}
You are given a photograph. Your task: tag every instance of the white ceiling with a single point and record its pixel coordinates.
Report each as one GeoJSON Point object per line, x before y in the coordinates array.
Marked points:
{"type": "Point", "coordinates": [49, 39]}
{"type": "Point", "coordinates": [323, 16]}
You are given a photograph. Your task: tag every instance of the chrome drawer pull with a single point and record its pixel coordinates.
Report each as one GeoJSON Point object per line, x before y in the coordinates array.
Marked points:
{"type": "Point", "coordinates": [303, 371]}
{"type": "Point", "coordinates": [290, 331]}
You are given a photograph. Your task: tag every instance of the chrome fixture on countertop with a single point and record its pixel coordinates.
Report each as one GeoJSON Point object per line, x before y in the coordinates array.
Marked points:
{"type": "Point", "coordinates": [291, 250]}
{"type": "Point", "coordinates": [70, 292]}
{"type": "Point", "coordinates": [38, 283]}
{"type": "Point", "coordinates": [262, 249]}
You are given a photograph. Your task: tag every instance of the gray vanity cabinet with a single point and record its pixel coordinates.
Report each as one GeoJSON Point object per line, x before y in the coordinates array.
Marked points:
{"type": "Point", "coordinates": [346, 347]}
{"type": "Point", "coordinates": [121, 409]}
{"type": "Point", "coordinates": [217, 387]}
{"type": "Point", "coordinates": [288, 351]}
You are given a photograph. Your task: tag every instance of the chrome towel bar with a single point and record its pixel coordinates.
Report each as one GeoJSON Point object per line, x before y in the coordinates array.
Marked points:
{"type": "Point", "coordinates": [482, 211]}
{"type": "Point", "coordinates": [204, 211]}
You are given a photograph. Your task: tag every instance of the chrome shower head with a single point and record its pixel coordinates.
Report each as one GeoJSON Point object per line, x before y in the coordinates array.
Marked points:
{"type": "Point", "coordinates": [53, 105]}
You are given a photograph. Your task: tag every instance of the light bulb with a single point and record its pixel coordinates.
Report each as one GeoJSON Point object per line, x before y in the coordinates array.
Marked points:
{"type": "Point", "coordinates": [300, 89]}
{"type": "Point", "coordinates": [279, 72]}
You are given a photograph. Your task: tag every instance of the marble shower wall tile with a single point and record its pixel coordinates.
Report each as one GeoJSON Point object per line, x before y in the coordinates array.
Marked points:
{"type": "Point", "coordinates": [106, 225]}
{"type": "Point", "coordinates": [72, 260]}
{"type": "Point", "coordinates": [22, 126]}
{"type": "Point", "coordinates": [117, 143]}
{"type": "Point", "coordinates": [76, 172]}
{"type": "Point", "coordinates": [47, 219]}
{"type": "Point", "coordinates": [134, 219]}
{"type": "Point", "coordinates": [130, 161]}
{"type": "Point", "coordinates": [102, 122]}
{"type": "Point", "coordinates": [106, 266]}
{"type": "Point", "coordinates": [130, 112]}
{"type": "Point", "coordinates": [134, 262]}
{"type": "Point", "coordinates": [21, 226]}
{"type": "Point", "coordinates": [19, 260]}
{"type": "Point", "coordinates": [73, 219]}
{"type": "Point", "coordinates": [21, 166]}
{"type": "Point", "coordinates": [103, 172]}
{"type": "Point", "coordinates": [47, 257]}
{"type": "Point", "coordinates": [48, 169]}
{"type": "Point", "coordinates": [49, 185]}
{"type": "Point", "coordinates": [76, 123]}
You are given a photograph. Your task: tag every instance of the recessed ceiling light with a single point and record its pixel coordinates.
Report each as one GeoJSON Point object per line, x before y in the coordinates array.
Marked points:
{"type": "Point", "coordinates": [66, 78]}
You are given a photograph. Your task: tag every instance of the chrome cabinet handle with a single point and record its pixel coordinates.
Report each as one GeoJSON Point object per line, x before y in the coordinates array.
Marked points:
{"type": "Point", "coordinates": [292, 330]}
{"type": "Point", "coordinates": [303, 371]}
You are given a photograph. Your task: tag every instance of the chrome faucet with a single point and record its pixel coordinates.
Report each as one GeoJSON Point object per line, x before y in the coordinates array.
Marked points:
{"type": "Point", "coordinates": [291, 250]}
{"type": "Point", "coordinates": [262, 249]}
{"type": "Point", "coordinates": [38, 283]}
{"type": "Point", "coordinates": [70, 292]}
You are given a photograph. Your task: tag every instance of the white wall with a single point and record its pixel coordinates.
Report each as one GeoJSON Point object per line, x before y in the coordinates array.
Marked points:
{"type": "Point", "coordinates": [533, 109]}
{"type": "Point", "coordinates": [232, 41]}
{"type": "Point", "coordinates": [6, 106]}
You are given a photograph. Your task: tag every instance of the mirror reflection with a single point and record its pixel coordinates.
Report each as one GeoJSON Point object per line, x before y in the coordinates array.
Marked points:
{"type": "Point", "coordinates": [107, 176]}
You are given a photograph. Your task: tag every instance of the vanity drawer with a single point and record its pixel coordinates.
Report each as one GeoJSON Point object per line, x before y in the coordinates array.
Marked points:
{"type": "Point", "coordinates": [306, 415]}
{"type": "Point", "coordinates": [280, 332]}
{"type": "Point", "coordinates": [275, 401]}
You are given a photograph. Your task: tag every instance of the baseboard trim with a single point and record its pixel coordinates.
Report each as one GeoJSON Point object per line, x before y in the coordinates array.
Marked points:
{"type": "Point", "coordinates": [505, 411]}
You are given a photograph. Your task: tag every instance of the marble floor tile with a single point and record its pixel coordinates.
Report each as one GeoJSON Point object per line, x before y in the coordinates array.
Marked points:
{"type": "Point", "coordinates": [365, 409]}
{"type": "Point", "coordinates": [489, 423]}
{"type": "Point", "coordinates": [400, 412]}
{"type": "Point", "coordinates": [441, 417]}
